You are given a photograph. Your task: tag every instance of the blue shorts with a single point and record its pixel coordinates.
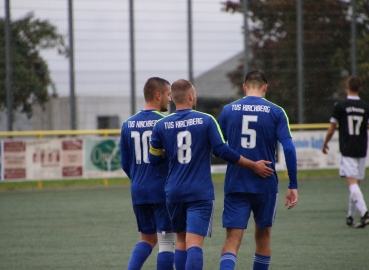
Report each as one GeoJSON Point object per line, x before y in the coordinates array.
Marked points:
{"type": "Point", "coordinates": [193, 217]}
{"type": "Point", "coordinates": [238, 207]}
{"type": "Point", "coordinates": [152, 218]}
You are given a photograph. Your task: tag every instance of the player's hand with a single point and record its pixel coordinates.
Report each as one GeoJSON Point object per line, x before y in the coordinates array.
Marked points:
{"type": "Point", "coordinates": [291, 198]}
{"type": "Point", "coordinates": [261, 168]}
{"type": "Point", "coordinates": [325, 149]}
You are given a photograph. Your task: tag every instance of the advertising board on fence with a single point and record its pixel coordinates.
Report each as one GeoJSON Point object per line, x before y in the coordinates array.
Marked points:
{"type": "Point", "coordinates": [102, 158]}
{"type": "Point", "coordinates": [14, 160]}
{"type": "Point", "coordinates": [308, 146]}
{"type": "Point", "coordinates": [47, 159]}
{"type": "Point", "coordinates": [44, 159]}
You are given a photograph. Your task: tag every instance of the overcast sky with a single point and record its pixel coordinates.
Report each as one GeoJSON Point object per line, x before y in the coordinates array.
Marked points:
{"type": "Point", "coordinates": [101, 32]}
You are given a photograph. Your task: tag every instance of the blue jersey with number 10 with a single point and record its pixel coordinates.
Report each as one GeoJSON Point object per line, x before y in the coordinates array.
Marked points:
{"type": "Point", "coordinates": [187, 137]}
{"type": "Point", "coordinates": [147, 181]}
{"type": "Point", "coordinates": [253, 126]}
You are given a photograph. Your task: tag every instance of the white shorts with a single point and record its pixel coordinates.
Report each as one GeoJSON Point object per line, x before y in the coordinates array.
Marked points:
{"type": "Point", "coordinates": [352, 167]}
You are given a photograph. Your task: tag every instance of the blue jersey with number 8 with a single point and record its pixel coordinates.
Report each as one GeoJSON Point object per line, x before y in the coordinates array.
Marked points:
{"type": "Point", "coordinates": [187, 137]}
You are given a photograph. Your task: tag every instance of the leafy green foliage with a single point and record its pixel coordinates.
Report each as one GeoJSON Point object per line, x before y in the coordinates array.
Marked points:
{"type": "Point", "coordinates": [31, 75]}
{"type": "Point", "coordinates": [326, 44]}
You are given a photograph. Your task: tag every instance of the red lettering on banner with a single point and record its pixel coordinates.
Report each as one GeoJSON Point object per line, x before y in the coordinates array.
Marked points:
{"type": "Point", "coordinates": [14, 146]}
{"type": "Point", "coordinates": [72, 145]}
{"type": "Point", "coordinates": [72, 171]}
{"type": "Point", "coordinates": [16, 173]}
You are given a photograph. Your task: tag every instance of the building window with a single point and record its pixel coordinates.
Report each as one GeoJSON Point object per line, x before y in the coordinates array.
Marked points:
{"type": "Point", "coordinates": [107, 122]}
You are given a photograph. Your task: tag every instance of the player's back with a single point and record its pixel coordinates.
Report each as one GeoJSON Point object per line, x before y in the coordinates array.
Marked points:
{"type": "Point", "coordinates": [352, 116]}
{"type": "Point", "coordinates": [253, 126]}
{"type": "Point", "coordinates": [147, 181]}
{"type": "Point", "coordinates": [187, 137]}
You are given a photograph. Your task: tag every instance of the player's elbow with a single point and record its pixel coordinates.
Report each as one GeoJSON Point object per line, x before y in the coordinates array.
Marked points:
{"type": "Point", "coordinates": [155, 160]}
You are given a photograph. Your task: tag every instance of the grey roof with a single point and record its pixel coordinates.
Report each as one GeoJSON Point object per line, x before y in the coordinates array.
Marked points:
{"type": "Point", "coordinates": [215, 83]}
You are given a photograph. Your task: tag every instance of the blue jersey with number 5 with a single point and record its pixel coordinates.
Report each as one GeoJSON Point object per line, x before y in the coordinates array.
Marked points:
{"type": "Point", "coordinates": [253, 126]}
{"type": "Point", "coordinates": [187, 137]}
{"type": "Point", "coordinates": [147, 181]}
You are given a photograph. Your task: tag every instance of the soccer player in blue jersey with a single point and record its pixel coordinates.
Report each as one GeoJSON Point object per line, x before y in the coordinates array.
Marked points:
{"type": "Point", "coordinates": [352, 116]}
{"type": "Point", "coordinates": [253, 126]}
{"type": "Point", "coordinates": [186, 138]}
{"type": "Point", "coordinates": [147, 181]}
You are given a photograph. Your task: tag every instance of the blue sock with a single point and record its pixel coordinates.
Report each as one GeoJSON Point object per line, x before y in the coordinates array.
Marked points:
{"type": "Point", "coordinates": [180, 257]}
{"type": "Point", "coordinates": [227, 261]}
{"type": "Point", "coordinates": [261, 262]}
{"type": "Point", "coordinates": [165, 261]}
{"type": "Point", "coordinates": [195, 260]}
{"type": "Point", "coordinates": [139, 255]}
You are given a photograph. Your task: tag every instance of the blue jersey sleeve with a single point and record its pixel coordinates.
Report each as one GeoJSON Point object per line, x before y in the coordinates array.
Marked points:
{"type": "Point", "coordinates": [221, 121]}
{"type": "Point", "coordinates": [124, 153]}
{"type": "Point", "coordinates": [283, 127]}
{"type": "Point", "coordinates": [215, 134]}
{"type": "Point", "coordinates": [226, 153]}
{"type": "Point", "coordinates": [291, 161]}
{"type": "Point", "coordinates": [156, 148]}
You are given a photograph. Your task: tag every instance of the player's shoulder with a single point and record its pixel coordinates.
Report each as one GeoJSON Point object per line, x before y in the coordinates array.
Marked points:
{"type": "Point", "coordinates": [165, 118]}
{"type": "Point", "coordinates": [343, 104]}
{"type": "Point", "coordinates": [132, 117]}
{"type": "Point", "coordinates": [195, 113]}
{"type": "Point", "coordinates": [365, 103]}
{"type": "Point", "coordinates": [273, 106]}
{"type": "Point", "coordinates": [229, 105]}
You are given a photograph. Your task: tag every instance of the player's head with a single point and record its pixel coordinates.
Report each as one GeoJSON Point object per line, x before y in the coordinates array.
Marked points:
{"type": "Point", "coordinates": [354, 84]}
{"type": "Point", "coordinates": [256, 77]}
{"type": "Point", "coordinates": [157, 91]}
{"type": "Point", "coordinates": [255, 80]}
{"type": "Point", "coordinates": [183, 93]}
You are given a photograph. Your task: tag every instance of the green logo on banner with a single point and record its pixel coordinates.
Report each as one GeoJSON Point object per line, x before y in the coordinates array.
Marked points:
{"type": "Point", "coordinates": [106, 155]}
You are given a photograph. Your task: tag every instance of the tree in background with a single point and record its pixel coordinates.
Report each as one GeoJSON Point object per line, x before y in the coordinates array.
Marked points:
{"type": "Point", "coordinates": [327, 62]}
{"type": "Point", "coordinates": [31, 75]}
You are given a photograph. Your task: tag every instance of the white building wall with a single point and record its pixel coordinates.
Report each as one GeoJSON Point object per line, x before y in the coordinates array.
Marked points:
{"type": "Point", "coordinates": [56, 113]}
{"type": "Point", "coordinates": [89, 108]}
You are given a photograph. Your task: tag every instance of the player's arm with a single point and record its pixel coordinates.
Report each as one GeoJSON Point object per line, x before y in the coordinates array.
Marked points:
{"type": "Point", "coordinates": [259, 167]}
{"type": "Point", "coordinates": [156, 155]}
{"type": "Point", "coordinates": [156, 151]}
{"type": "Point", "coordinates": [222, 150]}
{"type": "Point", "coordinates": [328, 137]}
{"type": "Point", "coordinates": [124, 155]}
{"type": "Point", "coordinates": [291, 162]}
{"type": "Point", "coordinates": [221, 121]}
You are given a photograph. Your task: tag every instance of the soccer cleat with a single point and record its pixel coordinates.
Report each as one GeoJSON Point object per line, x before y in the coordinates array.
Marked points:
{"type": "Point", "coordinates": [350, 222]}
{"type": "Point", "coordinates": [363, 221]}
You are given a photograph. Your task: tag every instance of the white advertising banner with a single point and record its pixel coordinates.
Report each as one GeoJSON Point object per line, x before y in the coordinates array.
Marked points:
{"type": "Point", "coordinates": [54, 159]}
{"type": "Point", "coordinates": [47, 159]}
{"type": "Point", "coordinates": [42, 159]}
{"type": "Point", "coordinates": [102, 158]}
{"type": "Point", "coordinates": [14, 160]}
{"type": "Point", "coordinates": [308, 146]}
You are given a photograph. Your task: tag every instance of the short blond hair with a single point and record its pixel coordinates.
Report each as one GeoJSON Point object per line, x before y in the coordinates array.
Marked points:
{"type": "Point", "coordinates": [180, 89]}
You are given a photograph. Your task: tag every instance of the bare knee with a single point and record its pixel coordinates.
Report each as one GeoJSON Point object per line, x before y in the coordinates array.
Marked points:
{"type": "Point", "coordinates": [233, 240]}
{"type": "Point", "coordinates": [262, 241]}
{"type": "Point", "coordinates": [151, 239]}
{"type": "Point", "coordinates": [181, 241]}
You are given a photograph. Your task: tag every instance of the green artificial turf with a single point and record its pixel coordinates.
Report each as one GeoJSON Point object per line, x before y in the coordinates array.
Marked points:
{"type": "Point", "coordinates": [86, 227]}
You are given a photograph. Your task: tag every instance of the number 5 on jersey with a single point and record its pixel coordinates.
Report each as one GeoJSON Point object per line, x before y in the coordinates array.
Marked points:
{"type": "Point", "coordinates": [249, 141]}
